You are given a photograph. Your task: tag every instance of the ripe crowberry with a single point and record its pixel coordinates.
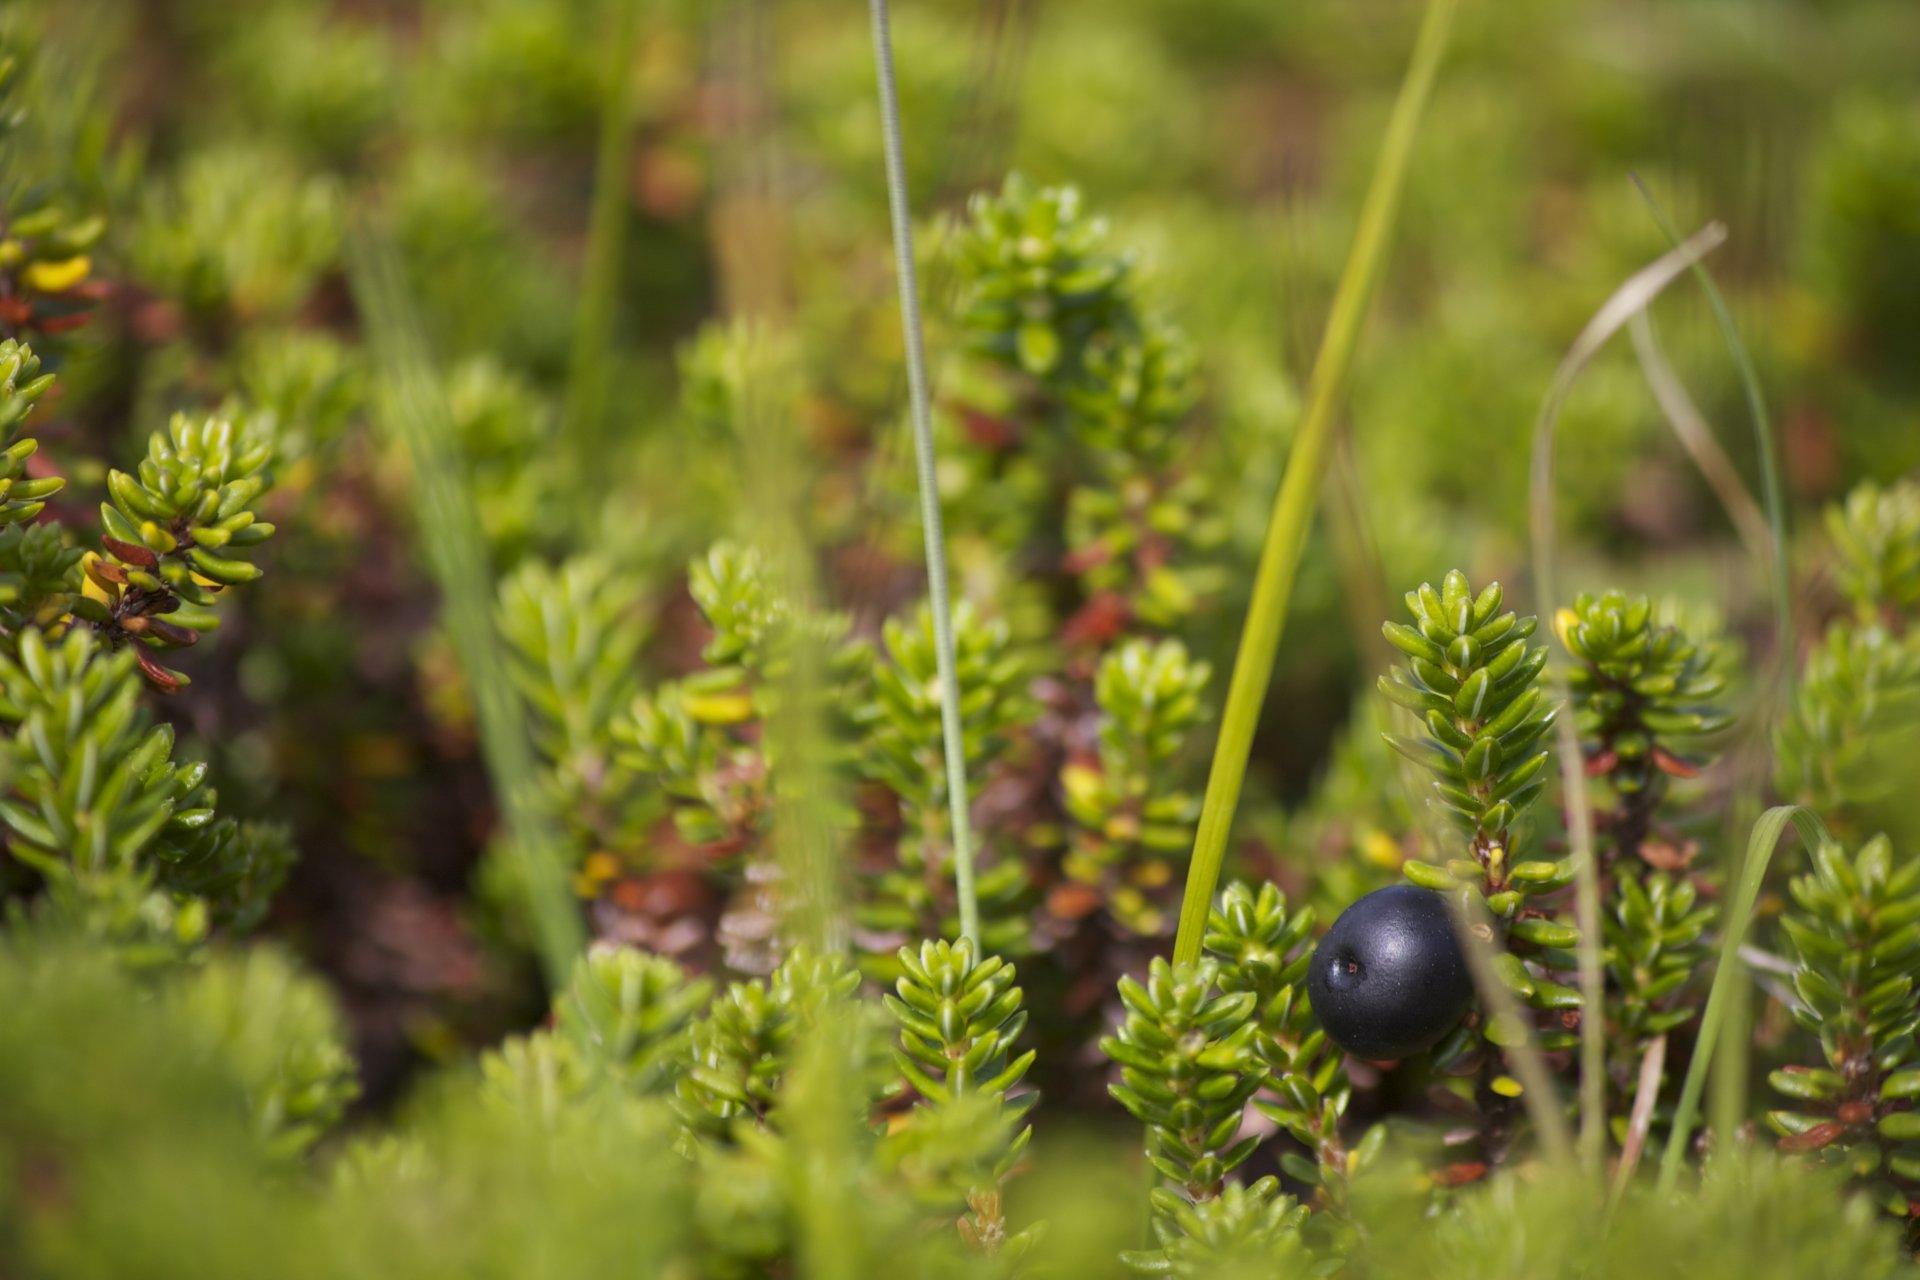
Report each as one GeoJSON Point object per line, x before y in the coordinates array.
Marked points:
{"type": "Point", "coordinates": [1388, 980]}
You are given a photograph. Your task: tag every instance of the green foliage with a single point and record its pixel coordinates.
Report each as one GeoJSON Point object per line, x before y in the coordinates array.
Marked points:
{"type": "Point", "coordinates": [1750, 1215]}
{"type": "Point", "coordinates": [1656, 938]}
{"type": "Point", "coordinates": [902, 748]}
{"type": "Point", "coordinates": [1112, 386]}
{"type": "Point", "coordinates": [1846, 742]}
{"type": "Point", "coordinates": [49, 231]}
{"type": "Point", "coordinates": [1856, 939]}
{"type": "Point", "coordinates": [276, 1028]}
{"type": "Point", "coordinates": [1474, 681]}
{"type": "Point", "coordinates": [1263, 950]}
{"type": "Point", "coordinates": [958, 1021]}
{"type": "Point", "coordinates": [1189, 1061]}
{"type": "Point", "coordinates": [1855, 713]}
{"type": "Point", "coordinates": [698, 737]}
{"type": "Point", "coordinates": [97, 807]}
{"type": "Point", "coordinates": [573, 636]}
{"type": "Point", "coordinates": [1645, 696]}
{"type": "Point", "coordinates": [1247, 1232]}
{"type": "Point", "coordinates": [1876, 534]}
{"type": "Point", "coordinates": [628, 1015]}
{"type": "Point", "coordinates": [173, 528]}
{"type": "Point", "coordinates": [235, 867]}
{"type": "Point", "coordinates": [160, 1117]}
{"type": "Point", "coordinates": [505, 431]}
{"type": "Point", "coordinates": [21, 385]}
{"type": "Point", "coordinates": [1643, 693]}
{"type": "Point", "coordinates": [1130, 818]}
{"type": "Point", "coordinates": [37, 575]}
{"type": "Point", "coordinates": [1038, 280]}
{"type": "Point", "coordinates": [240, 236]}
{"type": "Point", "coordinates": [743, 1046]}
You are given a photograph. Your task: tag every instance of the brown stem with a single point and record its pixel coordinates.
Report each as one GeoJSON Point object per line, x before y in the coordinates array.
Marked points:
{"type": "Point", "coordinates": [1652, 1066]}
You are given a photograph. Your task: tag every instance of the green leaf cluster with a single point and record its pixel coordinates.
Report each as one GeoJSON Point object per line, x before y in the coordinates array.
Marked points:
{"type": "Point", "coordinates": [901, 747]}
{"type": "Point", "coordinates": [1108, 391]}
{"type": "Point", "coordinates": [1474, 682]}
{"type": "Point", "coordinates": [48, 230]}
{"type": "Point", "coordinates": [958, 1022]}
{"type": "Point", "coordinates": [1644, 694]}
{"type": "Point", "coordinates": [1263, 949]}
{"type": "Point", "coordinates": [1244, 1232]}
{"type": "Point", "coordinates": [1876, 538]}
{"type": "Point", "coordinates": [1189, 1060]}
{"type": "Point", "coordinates": [1037, 277]}
{"type": "Point", "coordinates": [22, 497]}
{"type": "Point", "coordinates": [1855, 935]}
{"type": "Point", "coordinates": [1846, 743]}
{"type": "Point", "coordinates": [125, 839]}
{"type": "Point", "coordinates": [1855, 717]}
{"type": "Point", "coordinates": [743, 1045]}
{"type": "Point", "coordinates": [573, 634]}
{"type": "Point", "coordinates": [278, 1029]}
{"type": "Point", "coordinates": [173, 530]}
{"type": "Point", "coordinates": [1130, 818]}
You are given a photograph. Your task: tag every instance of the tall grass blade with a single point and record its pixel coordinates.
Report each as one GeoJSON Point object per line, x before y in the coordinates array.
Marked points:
{"type": "Point", "coordinates": [777, 473]}
{"type": "Point", "coordinates": [1697, 438]}
{"type": "Point", "coordinates": [1739, 912]}
{"type": "Point", "coordinates": [1764, 445]}
{"type": "Point", "coordinates": [930, 524]}
{"type": "Point", "coordinates": [1730, 1086]}
{"type": "Point", "coordinates": [1300, 484]}
{"type": "Point", "coordinates": [1475, 930]}
{"type": "Point", "coordinates": [1628, 301]}
{"type": "Point", "coordinates": [585, 408]}
{"type": "Point", "coordinates": [412, 409]}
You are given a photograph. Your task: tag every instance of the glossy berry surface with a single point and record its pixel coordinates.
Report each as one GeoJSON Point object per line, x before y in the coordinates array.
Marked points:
{"type": "Point", "coordinates": [1388, 979]}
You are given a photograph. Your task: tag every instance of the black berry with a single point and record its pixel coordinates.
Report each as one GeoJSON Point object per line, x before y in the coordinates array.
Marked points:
{"type": "Point", "coordinates": [1389, 980]}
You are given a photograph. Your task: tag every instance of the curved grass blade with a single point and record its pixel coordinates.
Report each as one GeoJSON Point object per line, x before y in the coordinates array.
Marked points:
{"type": "Point", "coordinates": [1753, 873]}
{"type": "Point", "coordinates": [1629, 300]}
{"type": "Point", "coordinates": [1697, 438]}
{"type": "Point", "coordinates": [412, 408]}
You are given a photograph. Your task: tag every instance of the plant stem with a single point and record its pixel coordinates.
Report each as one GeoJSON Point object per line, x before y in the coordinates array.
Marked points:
{"type": "Point", "coordinates": [1764, 445]}
{"type": "Point", "coordinates": [1300, 484]}
{"type": "Point", "coordinates": [930, 524]}
{"type": "Point", "coordinates": [1730, 1084]}
{"type": "Point", "coordinates": [413, 409]}
{"type": "Point", "coordinates": [1697, 438]}
{"type": "Point", "coordinates": [606, 237]}
{"type": "Point", "coordinates": [1629, 300]}
{"type": "Point", "coordinates": [1753, 871]}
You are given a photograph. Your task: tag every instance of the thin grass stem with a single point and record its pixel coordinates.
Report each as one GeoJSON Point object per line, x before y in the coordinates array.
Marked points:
{"type": "Point", "coordinates": [413, 410]}
{"type": "Point", "coordinates": [1697, 438]}
{"type": "Point", "coordinates": [1300, 484]}
{"type": "Point", "coordinates": [1764, 445]}
{"type": "Point", "coordinates": [1760, 847]}
{"type": "Point", "coordinates": [1730, 1084]}
{"type": "Point", "coordinates": [585, 407]}
{"type": "Point", "coordinates": [920, 406]}
{"type": "Point", "coordinates": [1474, 927]}
{"type": "Point", "coordinates": [1629, 300]}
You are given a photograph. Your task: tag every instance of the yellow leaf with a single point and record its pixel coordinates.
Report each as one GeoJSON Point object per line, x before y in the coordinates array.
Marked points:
{"type": "Point", "coordinates": [720, 708]}
{"type": "Point", "coordinates": [57, 277]}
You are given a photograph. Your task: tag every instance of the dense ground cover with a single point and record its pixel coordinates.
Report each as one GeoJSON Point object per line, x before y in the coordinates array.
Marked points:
{"type": "Point", "coordinates": [476, 793]}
